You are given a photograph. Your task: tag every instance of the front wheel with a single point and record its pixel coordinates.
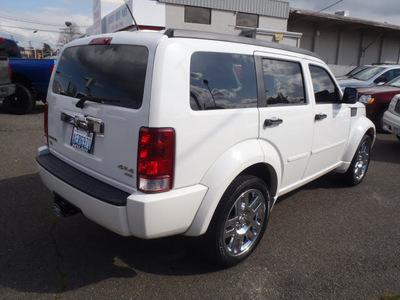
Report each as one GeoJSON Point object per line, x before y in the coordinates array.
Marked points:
{"type": "Point", "coordinates": [240, 220]}
{"type": "Point", "coordinates": [359, 165]}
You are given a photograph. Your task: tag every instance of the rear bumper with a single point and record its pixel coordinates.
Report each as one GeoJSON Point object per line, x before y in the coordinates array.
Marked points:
{"type": "Point", "coordinates": [7, 90]}
{"type": "Point", "coordinates": [138, 214]}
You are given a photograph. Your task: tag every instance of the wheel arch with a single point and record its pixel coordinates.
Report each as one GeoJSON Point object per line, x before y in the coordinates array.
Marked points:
{"type": "Point", "coordinates": [20, 78]}
{"type": "Point", "coordinates": [246, 158]}
{"type": "Point", "coordinates": [266, 173]}
{"type": "Point", "coordinates": [361, 127]}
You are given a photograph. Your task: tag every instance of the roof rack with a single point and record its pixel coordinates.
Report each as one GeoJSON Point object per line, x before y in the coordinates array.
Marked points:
{"type": "Point", "coordinates": [183, 33]}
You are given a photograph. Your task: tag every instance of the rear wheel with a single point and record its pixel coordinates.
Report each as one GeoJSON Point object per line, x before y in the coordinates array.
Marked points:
{"type": "Point", "coordinates": [359, 165]}
{"type": "Point", "coordinates": [22, 101]}
{"type": "Point", "coordinates": [240, 220]}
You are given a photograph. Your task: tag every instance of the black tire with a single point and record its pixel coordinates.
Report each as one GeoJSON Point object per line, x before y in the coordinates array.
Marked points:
{"type": "Point", "coordinates": [22, 101]}
{"type": "Point", "coordinates": [360, 163]}
{"type": "Point", "coordinates": [239, 221]}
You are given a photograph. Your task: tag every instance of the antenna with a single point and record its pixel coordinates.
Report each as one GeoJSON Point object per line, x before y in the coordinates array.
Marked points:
{"type": "Point", "coordinates": [133, 18]}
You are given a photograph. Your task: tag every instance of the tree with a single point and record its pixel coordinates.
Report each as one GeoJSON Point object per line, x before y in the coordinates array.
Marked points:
{"type": "Point", "coordinates": [69, 33]}
{"type": "Point", "coordinates": [47, 51]}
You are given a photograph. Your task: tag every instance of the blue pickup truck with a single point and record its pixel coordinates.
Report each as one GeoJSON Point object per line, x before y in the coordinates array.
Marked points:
{"type": "Point", "coordinates": [30, 76]}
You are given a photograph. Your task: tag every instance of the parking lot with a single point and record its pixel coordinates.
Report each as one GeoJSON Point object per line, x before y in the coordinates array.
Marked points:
{"type": "Point", "coordinates": [324, 241]}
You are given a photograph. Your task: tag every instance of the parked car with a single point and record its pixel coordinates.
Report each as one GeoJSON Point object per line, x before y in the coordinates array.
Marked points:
{"type": "Point", "coordinates": [375, 75]}
{"type": "Point", "coordinates": [6, 87]}
{"type": "Point", "coordinates": [391, 118]}
{"type": "Point", "coordinates": [30, 76]}
{"type": "Point", "coordinates": [377, 99]}
{"type": "Point", "coordinates": [353, 72]}
{"type": "Point", "coordinates": [154, 134]}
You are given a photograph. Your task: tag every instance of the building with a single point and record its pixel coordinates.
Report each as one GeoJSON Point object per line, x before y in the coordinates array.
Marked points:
{"type": "Point", "coordinates": [262, 19]}
{"type": "Point", "coordinates": [341, 41]}
{"type": "Point", "coordinates": [344, 42]}
{"type": "Point", "coordinates": [266, 20]}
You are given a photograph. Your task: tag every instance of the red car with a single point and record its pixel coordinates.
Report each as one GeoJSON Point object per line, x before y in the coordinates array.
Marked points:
{"type": "Point", "coordinates": [377, 99]}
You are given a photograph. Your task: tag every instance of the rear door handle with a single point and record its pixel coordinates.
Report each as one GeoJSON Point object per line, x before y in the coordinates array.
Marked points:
{"type": "Point", "coordinates": [272, 122]}
{"type": "Point", "coordinates": [320, 117]}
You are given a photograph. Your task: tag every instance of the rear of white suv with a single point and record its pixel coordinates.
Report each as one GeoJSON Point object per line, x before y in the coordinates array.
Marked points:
{"type": "Point", "coordinates": [102, 156]}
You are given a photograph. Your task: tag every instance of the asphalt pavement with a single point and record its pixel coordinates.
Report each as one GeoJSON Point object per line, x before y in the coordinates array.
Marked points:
{"type": "Point", "coordinates": [324, 240]}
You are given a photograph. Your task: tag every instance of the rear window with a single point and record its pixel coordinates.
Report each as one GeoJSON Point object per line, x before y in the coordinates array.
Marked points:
{"type": "Point", "coordinates": [9, 49]}
{"type": "Point", "coordinates": [109, 72]}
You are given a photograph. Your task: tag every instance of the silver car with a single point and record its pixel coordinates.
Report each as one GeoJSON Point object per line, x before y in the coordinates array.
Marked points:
{"type": "Point", "coordinates": [371, 76]}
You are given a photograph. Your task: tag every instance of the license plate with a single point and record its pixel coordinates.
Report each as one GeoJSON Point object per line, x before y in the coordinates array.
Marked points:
{"type": "Point", "coordinates": [82, 140]}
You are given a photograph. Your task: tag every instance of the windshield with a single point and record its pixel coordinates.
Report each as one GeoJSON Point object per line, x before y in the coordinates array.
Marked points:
{"type": "Point", "coordinates": [108, 72]}
{"type": "Point", "coordinates": [357, 70]}
{"type": "Point", "coordinates": [368, 73]}
{"type": "Point", "coordinates": [394, 82]}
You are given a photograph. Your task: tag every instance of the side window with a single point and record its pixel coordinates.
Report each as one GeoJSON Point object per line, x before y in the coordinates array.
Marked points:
{"type": "Point", "coordinates": [325, 90]}
{"type": "Point", "coordinates": [391, 74]}
{"type": "Point", "coordinates": [283, 82]}
{"type": "Point", "coordinates": [222, 80]}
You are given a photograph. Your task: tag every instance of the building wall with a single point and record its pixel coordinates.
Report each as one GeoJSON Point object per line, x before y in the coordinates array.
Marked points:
{"type": "Point", "coordinates": [221, 21]}
{"type": "Point", "coordinates": [372, 46]}
{"type": "Point", "coordinates": [390, 50]}
{"type": "Point", "coordinates": [341, 46]}
{"type": "Point", "coordinates": [326, 43]}
{"type": "Point", "coordinates": [348, 50]}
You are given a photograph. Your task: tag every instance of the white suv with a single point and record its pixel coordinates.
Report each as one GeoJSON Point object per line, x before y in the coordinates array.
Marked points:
{"type": "Point", "coordinates": [153, 134]}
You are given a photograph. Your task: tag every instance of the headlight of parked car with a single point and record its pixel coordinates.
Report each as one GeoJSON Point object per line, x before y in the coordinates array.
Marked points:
{"type": "Point", "coordinates": [367, 99]}
{"type": "Point", "coordinates": [393, 103]}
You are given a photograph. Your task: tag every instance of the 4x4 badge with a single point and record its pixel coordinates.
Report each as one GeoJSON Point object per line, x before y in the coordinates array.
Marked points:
{"type": "Point", "coordinates": [128, 171]}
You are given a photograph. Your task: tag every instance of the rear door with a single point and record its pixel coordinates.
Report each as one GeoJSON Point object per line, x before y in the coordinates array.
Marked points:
{"type": "Point", "coordinates": [286, 117]}
{"type": "Point", "coordinates": [96, 109]}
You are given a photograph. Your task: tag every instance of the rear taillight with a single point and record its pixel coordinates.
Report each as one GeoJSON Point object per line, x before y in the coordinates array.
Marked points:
{"type": "Point", "coordinates": [51, 69]}
{"type": "Point", "coordinates": [46, 123]}
{"type": "Point", "coordinates": [156, 159]}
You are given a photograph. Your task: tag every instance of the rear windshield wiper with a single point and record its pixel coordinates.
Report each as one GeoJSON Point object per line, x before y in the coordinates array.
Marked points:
{"type": "Point", "coordinates": [81, 102]}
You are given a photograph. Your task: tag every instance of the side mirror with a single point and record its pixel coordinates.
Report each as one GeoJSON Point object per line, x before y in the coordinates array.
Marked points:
{"type": "Point", "coordinates": [381, 79]}
{"type": "Point", "coordinates": [350, 95]}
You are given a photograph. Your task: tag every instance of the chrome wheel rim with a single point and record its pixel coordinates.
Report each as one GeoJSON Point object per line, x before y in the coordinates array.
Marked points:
{"type": "Point", "coordinates": [362, 161]}
{"type": "Point", "coordinates": [244, 222]}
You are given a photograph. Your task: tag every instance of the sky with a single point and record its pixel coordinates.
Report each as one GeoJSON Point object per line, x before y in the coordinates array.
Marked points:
{"type": "Point", "coordinates": [20, 18]}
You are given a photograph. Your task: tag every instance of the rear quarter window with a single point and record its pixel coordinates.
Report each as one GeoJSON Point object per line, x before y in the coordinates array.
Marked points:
{"type": "Point", "coordinates": [111, 72]}
{"type": "Point", "coordinates": [222, 81]}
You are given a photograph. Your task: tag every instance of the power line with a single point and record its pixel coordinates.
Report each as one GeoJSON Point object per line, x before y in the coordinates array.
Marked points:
{"type": "Point", "coordinates": [29, 28]}
{"type": "Point", "coordinates": [33, 21]}
{"type": "Point", "coordinates": [317, 12]}
{"type": "Point", "coordinates": [19, 36]}
{"type": "Point", "coordinates": [330, 6]}
{"type": "Point", "coordinates": [29, 21]}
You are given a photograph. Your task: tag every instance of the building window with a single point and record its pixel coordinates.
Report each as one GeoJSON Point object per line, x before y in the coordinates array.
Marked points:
{"type": "Point", "coordinates": [199, 15]}
{"type": "Point", "coordinates": [247, 20]}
